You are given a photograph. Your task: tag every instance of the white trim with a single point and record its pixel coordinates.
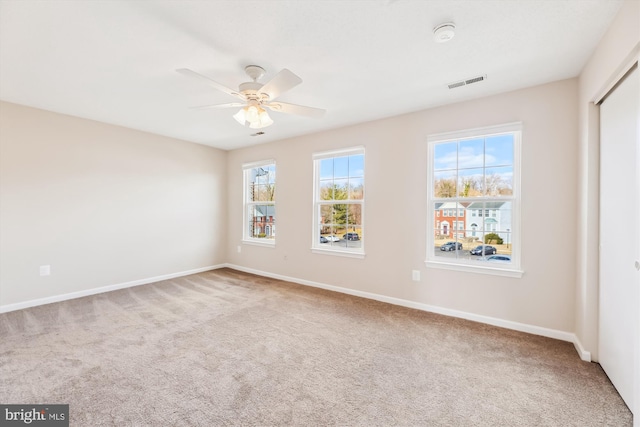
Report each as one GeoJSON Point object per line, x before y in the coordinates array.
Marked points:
{"type": "Point", "coordinates": [359, 149]}
{"type": "Point", "coordinates": [614, 79]}
{"type": "Point", "coordinates": [338, 252]}
{"type": "Point", "coordinates": [475, 132]}
{"type": "Point", "coordinates": [481, 269]}
{"type": "Point", "coordinates": [507, 324]}
{"type": "Point", "coordinates": [584, 354]}
{"type": "Point", "coordinates": [79, 294]}
{"type": "Point", "coordinates": [251, 165]}
{"type": "Point", "coordinates": [267, 243]}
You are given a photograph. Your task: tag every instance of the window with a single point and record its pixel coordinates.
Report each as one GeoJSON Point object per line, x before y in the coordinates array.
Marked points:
{"type": "Point", "coordinates": [476, 174]}
{"type": "Point", "coordinates": [259, 222]}
{"type": "Point", "coordinates": [338, 226]}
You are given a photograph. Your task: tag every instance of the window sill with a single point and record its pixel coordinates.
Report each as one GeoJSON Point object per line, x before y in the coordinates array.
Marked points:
{"type": "Point", "coordinates": [263, 243]}
{"type": "Point", "coordinates": [495, 271]}
{"type": "Point", "coordinates": [335, 252]}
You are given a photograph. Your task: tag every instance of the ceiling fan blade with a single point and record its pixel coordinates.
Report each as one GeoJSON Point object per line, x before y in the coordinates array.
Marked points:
{"type": "Point", "coordinates": [229, 105]}
{"type": "Point", "coordinates": [299, 110]}
{"type": "Point", "coordinates": [280, 83]}
{"type": "Point", "coordinates": [220, 87]}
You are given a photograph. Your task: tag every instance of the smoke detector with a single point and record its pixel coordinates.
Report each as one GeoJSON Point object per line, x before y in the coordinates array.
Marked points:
{"type": "Point", "coordinates": [444, 32]}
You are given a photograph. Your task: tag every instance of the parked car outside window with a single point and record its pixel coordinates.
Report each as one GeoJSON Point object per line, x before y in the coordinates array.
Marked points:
{"type": "Point", "coordinates": [351, 236]}
{"type": "Point", "coordinates": [483, 250]}
{"type": "Point", "coordinates": [451, 246]}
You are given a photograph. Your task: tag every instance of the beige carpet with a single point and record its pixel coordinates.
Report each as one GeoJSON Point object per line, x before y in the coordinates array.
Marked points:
{"type": "Point", "coordinates": [225, 348]}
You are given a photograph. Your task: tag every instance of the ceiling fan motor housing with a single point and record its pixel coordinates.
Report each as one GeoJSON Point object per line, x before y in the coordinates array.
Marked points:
{"type": "Point", "coordinates": [251, 90]}
{"type": "Point", "coordinates": [254, 71]}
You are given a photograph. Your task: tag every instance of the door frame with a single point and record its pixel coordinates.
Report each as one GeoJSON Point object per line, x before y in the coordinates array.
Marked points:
{"type": "Point", "coordinates": [622, 72]}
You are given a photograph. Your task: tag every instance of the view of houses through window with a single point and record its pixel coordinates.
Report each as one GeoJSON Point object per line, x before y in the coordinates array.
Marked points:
{"type": "Point", "coordinates": [339, 200]}
{"type": "Point", "coordinates": [473, 197]}
{"type": "Point", "coordinates": [260, 202]}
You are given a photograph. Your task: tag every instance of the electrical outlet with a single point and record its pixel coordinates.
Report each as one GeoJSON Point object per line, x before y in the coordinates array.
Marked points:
{"type": "Point", "coordinates": [45, 270]}
{"type": "Point", "coordinates": [415, 275]}
{"type": "Point", "coordinates": [239, 248]}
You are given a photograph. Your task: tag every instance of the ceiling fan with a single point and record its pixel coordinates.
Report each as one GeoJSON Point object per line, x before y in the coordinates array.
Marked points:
{"type": "Point", "coordinates": [257, 97]}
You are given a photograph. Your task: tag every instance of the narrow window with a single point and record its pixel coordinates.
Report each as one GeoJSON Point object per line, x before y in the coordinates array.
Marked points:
{"type": "Point", "coordinates": [259, 221]}
{"type": "Point", "coordinates": [338, 214]}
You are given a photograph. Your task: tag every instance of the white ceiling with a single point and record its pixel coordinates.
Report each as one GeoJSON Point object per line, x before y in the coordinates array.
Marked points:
{"type": "Point", "coordinates": [361, 60]}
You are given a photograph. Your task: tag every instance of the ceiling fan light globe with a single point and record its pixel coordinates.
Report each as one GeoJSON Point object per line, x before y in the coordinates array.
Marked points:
{"type": "Point", "coordinates": [265, 120]}
{"type": "Point", "coordinates": [240, 116]}
{"type": "Point", "coordinates": [252, 114]}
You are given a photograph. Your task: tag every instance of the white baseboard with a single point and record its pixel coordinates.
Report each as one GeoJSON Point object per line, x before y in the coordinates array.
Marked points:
{"type": "Point", "coordinates": [507, 324]}
{"type": "Point", "coordinates": [72, 295]}
{"type": "Point", "coordinates": [584, 354]}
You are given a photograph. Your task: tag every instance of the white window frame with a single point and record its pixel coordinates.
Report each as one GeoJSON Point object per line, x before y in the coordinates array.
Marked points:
{"type": "Point", "coordinates": [513, 269]}
{"type": "Point", "coordinates": [246, 203]}
{"type": "Point", "coordinates": [315, 245]}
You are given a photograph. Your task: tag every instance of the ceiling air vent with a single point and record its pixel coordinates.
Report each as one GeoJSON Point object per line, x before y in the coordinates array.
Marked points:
{"type": "Point", "coordinates": [467, 82]}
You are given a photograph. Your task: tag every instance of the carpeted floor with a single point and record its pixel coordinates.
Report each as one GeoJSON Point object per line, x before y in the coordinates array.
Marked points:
{"type": "Point", "coordinates": [225, 348]}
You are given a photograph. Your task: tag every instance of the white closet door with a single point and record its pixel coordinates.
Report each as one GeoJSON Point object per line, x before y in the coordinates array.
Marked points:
{"type": "Point", "coordinates": [619, 235]}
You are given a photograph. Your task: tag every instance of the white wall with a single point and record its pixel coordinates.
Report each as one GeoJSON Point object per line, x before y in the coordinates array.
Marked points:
{"type": "Point", "coordinates": [102, 205]}
{"type": "Point", "coordinates": [395, 217]}
{"type": "Point", "coordinates": [613, 51]}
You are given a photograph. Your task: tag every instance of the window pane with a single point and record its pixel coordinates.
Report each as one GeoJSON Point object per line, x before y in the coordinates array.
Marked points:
{"type": "Point", "coordinates": [341, 189]}
{"type": "Point", "coordinates": [353, 237]}
{"type": "Point", "coordinates": [264, 192]}
{"type": "Point", "coordinates": [326, 169]}
{"type": "Point", "coordinates": [340, 215]}
{"type": "Point", "coordinates": [355, 215]}
{"type": "Point", "coordinates": [471, 154]}
{"type": "Point", "coordinates": [341, 167]}
{"type": "Point", "coordinates": [356, 166]}
{"type": "Point", "coordinates": [356, 189]}
{"type": "Point", "coordinates": [326, 216]}
{"type": "Point", "coordinates": [261, 175]}
{"type": "Point", "coordinates": [261, 221]}
{"type": "Point", "coordinates": [252, 192]}
{"type": "Point", "coordinates": [499, 181]}
{"type": "Point", "coordinates": [326, 190]}
{"type": "Point", "coordinates": [270, 212]}
{"type": "Point", "coordinates": [499, 150]}
{"type": "Point", "coordinates": [445, 156]}
{"type": "Point", "coordinates": [470, 183]}
{"type": "Point", "coordinates": [445, 184]}
{"type": "Point", "coordinates": [450, 245]}
{"type": "Point", "coordinates": [271, 177]}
